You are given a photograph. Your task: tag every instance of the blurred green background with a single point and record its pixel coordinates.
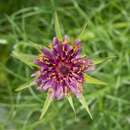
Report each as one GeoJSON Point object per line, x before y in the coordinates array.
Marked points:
{"type": "Point", "coordinates": [107, 34]}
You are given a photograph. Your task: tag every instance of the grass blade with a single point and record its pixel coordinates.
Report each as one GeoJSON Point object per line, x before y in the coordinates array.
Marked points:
{"type": "Point", "coordinates": [99, 61]}
{"type": "Point", "coordinates": [29, 44]}
{"type": "Point", "coordinates": [25, 58]}
{"type": "Point", "coordinates": [83, 32]}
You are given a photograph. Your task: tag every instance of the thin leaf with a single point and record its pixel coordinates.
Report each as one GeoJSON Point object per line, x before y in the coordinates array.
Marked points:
{"type": "Point", "coordinates": [7, 70]}
{"type": "Point", "coordinates": [92, 80]}
{"type": "Point", "coordinates": [29, 44]}
{"type": "Point", "coordinates": [83, 31]}
{"type": "Point", "coordinates": [80, 11]}
{"type": "Point", "coordinates": [26, 85]}
{"type": "Point", "coordinates": [46, 106]}
{"type": "Point", "coordinates": [25, 58]}
{"type": "Point", "coordinates": [71, 103]}
{"type": "Point", "coordinates": [99, 61]}
{"type": "Point", "coordinates": [85, 105]}
{"type": "Point", "coordinates": [57, 27]}
{"type": "Point", "coordinates": [36, 46]}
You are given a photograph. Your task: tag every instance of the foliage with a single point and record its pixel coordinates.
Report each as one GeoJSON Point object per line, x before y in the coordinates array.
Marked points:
{"type": "Point", "coordinates": [107, 34]}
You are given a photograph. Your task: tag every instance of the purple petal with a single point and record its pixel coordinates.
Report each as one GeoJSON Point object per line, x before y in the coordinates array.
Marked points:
{"type": "Point", "coordinates": [42, 64]}
{"type": "Point", "coordinates": [59, 92]}
{"type": "Point", "coordinates": [72, 84]}
{"type": "Point", "coordinates": [47, 53]}
{"type": "Point", "coordinates": [66, 38]}
{"type": "Point", "coordinates": [77, 43]}
{"type": "Point", "coordinates": [89, 65]}
{"type": "Point", "coordinates": [47, 85]}
{"type": "Point", "coordinates": [55, 41]}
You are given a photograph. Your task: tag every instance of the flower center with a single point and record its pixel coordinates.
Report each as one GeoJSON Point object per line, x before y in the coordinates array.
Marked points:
{"type": "Point", "coordinates": [64, 69]}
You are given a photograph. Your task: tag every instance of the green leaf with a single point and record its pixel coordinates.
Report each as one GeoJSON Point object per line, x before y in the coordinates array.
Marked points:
{"type": "Point", "coordinates": [83, 31]}
{"type": "Point", "coordinates": [46, 106]}
{"type": "Point", "coordinates": [29, 44]}
{"type": "Point", "coordinates": [25, 58]}
{"type": "Point", "coordinates": [57, 27]}
{"type": "Point", "coordinates": [3, 41]}
{"type": "Point", "coordinates": [26, 85]}
{"type": "Point", "coordinates": [36, 46]}
{"type": "Point", "coordinates": [92, 80]}
{"type": "Point", "coordinates": [85, 105]}
{"type": "Point", "coordinates": [71, 103]}
{"type": "Point", "coordinates": [7, 70]}
{"type": "Point", "coordinates": [99, 61]}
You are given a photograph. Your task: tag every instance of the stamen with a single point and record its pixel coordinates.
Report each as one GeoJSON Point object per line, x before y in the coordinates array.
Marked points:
{"type": "Point", "coordinates": [50, 45]}
{"type": "Point", "coordinates": [40, 57]}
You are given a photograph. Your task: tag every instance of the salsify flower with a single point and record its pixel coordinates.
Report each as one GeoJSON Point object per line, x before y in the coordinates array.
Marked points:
{"type": "Point", "coordinates": [61, 69]}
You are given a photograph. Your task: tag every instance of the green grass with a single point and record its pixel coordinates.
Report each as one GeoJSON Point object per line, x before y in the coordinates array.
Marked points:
{"type": "Point", "coordinates": [107, 34]}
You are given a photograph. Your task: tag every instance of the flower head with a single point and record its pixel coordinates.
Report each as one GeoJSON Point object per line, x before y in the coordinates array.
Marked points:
{"type": "Point", "coordinates": [61, 69]}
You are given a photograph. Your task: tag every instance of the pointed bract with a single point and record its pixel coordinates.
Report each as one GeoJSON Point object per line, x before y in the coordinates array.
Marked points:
{"type": "Point", "coordinates": [92, 80]}
{"type": "Point", "coordinates": [71, 103]}
{"type": "Point", "coordinates": [45, 106]}
{"type": "Point", "coordinates": [85, 105]}
{"type": "Point", "coordinates": [57, 27]}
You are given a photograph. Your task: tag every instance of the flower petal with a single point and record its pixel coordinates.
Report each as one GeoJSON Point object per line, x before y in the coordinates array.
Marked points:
{"type": "Point", "coordinates": [59, 92]}
{"type": "Point", "coordinates": [47, 53]}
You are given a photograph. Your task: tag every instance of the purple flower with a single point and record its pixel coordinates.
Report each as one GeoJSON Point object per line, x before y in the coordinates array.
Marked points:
{"type": "Point", "coordinates": [61, 69]}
